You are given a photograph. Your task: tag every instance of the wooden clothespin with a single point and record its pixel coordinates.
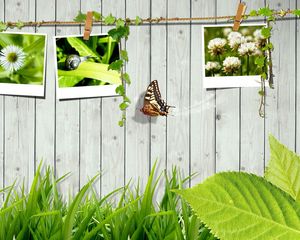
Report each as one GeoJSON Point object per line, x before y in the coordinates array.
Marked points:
{"type": "Point", "coordinates": [239, 16]}
{"type": "Point", "coordinates": [88, 25]}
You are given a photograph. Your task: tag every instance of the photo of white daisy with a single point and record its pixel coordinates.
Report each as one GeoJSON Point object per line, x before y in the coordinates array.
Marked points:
{"type": "Point", "coordinates": [22, 63]}
{"type": "Point", "coordinates": [229, 57]}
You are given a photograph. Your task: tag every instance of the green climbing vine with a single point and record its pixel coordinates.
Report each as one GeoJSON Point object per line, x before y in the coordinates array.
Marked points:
{"type": "Point", "coordinates": [121, 30]}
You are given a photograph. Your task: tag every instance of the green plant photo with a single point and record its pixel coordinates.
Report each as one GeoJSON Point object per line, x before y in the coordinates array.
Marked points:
{"type": "Point", "coordinates": [22, 63]}
{"type": "Point", "coordinates": [84, 64]}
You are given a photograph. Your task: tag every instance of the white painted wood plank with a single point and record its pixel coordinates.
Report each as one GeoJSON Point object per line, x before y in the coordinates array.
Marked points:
{"type": "Point", "coordinates": [45, 107]}
{"type": "Point", "coordinates": [202, 103]}
{"type": "Point", "coordinates": [137, 125]}
{"type": "Point", "coordinates": [90, 122]}
{"type": "Point", "coordinates": [1, 120]}
{"type": "Point", "coordinates": [178, 127]}
{"type": "Point", "coordinates": [19, 112]}
{"type": "Point", "coordinates": [113, 142]}
{"type": "Point", "coordinates": [158, 147]}
{"type": "Point", "coordinates": [280, 110]}
{"type": "Point", "coordinates": [67, 115]}
{"type": "Point", "coordinates": [297, 84]}
{"type": "Point", "coordinates": [227, 113]}
{"type": "Point", "coordinates": [252, 125]}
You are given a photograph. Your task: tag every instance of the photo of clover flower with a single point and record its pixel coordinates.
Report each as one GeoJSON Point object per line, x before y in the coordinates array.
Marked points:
{"type": "Point", "coordinates": [230, 53]}
{"type": "Point", "coordinates": [22, 58]}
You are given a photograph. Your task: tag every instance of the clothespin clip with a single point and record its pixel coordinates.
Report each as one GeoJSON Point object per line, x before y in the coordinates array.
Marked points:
{"type": "Point", "coordinates": [88, 25]}
{"type": "Point", "coordinates": [239, 16]}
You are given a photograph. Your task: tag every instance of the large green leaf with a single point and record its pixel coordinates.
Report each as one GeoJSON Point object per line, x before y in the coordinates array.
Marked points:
{"type": "Point", "coordinates": [82, 48]}
{"type": "Point", "coordinates": [284, 168]}
{"type": "Point", "coordinates": [243, 206]}
{"type": "Point", "coordinates": [93, 70]}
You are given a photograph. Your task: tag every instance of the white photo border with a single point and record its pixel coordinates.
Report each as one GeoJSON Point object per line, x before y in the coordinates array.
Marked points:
{"type": "Point", "coordinates": [229, 81]}
{"type": "Point", "coordinates": [26, 89]}
{"type": "Point", "coordinates": [83, 91]}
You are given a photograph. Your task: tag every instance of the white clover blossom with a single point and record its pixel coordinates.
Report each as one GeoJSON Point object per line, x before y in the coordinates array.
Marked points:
{"type": "Point", "coordinates": [216, 46]}
{"type": "Point", "coordinates": [247, 48]}
{"type": "Point", "coordinates": [245, 31]}
{"type": "Point", "coordinates": [226, 31]}
{"type": "Point", "coordinates": [248, 38]}
{"type": "Point", "coordinates": [231, 64]}
{"type": "Point", "coordinates": [210, 66]}
{"type": "Point", "coordinates": [235, 39]}
{"type": "Point", "coordinates": [258, 35]}
{"type": "Point", "coordinates": [12, 58]}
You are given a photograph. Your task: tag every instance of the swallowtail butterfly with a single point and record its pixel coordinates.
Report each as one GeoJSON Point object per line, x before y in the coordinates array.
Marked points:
{"type": "Point", "coordinates": [153, 104]}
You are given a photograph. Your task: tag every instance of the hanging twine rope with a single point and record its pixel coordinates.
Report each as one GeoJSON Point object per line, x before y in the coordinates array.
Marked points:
{"type": "Point", "coordinates": [143, 21]}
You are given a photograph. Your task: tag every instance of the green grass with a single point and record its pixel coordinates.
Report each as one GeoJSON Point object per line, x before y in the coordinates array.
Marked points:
{"type": "Point", "coordinates": [42, 213]}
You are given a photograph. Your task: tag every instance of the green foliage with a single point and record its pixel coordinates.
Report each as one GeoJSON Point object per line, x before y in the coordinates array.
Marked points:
{"type": "Point", "coordinates": [296, 12]}
{"type": "Point", "coordinates": [138, 20]}
{"type": "Point", "coordinates": [3, 26]}
{"type": "Point", "coordinates": [19, 24]}
{"type": "Point", "coordinates": [284, 169]}
{"type": "Point", "coordinates": [81, 17]}
{"type": "Point", "coordinates": [122, 214]}
{"type": "Point", "coordinates": [243, 206]}
{"type": "Point", "coordinates": [109, 20]}
{"type": "Point", "coordinates": [116, 65]}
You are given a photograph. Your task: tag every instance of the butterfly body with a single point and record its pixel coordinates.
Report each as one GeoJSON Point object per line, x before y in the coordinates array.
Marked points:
{"type": "Point", "coordinates": [154, 105]}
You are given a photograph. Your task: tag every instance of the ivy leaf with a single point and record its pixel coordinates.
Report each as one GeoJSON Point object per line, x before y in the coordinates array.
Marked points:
{"type": "Point", "coordinates": [126, 78]}
{"type": "Point", "coordinates": [118, 33]}
{"type": "Point", "coordinates": [120, 90]}
{"type": "Point", "coordinates": [264, 76]}
{"type": "Point", "coordinates": [116, 65]}
{"type": "Point", "coordinates": [124, 55]}
{"type": "Point", "coordinates": [296, 12]}
{"type": "Point", "coordinates": [253, 13]}
{"type": "Point", "coordinates": [267, 12]}
{"type": "Point", "coordinates": [123, 106]}
{"type": "Point", "coordinates": [120, 23]}
{"type": "Point", "coordinates": [19, 24]}
{"type": "Point", "coordinates": [81, 17]}
{"type": "Point", "coordinates": [126, 99]}
{"type": "Point", "coordinates": [138, 20]}
{"type": "Point", "coordinates": [3, 26]}
{"type": "Point", "coordinates": [260, 61]}
{"type": "Point", "coordinates": [109, 20]}
{"type": "Point", "coordinates": [97, 16]}
{"type": "Point", "coordinates": [266, 32]}
{"type": "Point", "coordinates": [121, 123]}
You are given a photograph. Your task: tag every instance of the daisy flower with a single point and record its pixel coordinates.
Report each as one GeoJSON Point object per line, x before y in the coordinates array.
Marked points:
{"type": "Point", "coordinates": [247, 48]}
{"type": "Point", "coordinates": [231, 64]}
{"type": "Point", "coordinates": [216, 46]}
{"type": "Point", "coordinates": [12, 58]}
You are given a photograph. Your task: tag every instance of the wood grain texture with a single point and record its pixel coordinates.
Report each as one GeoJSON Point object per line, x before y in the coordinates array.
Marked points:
{"type": "Point", "coordinates": [90, 121]}
{"type": "Point", "coordinates": [20, 112]}
{"type": "Point", "coordinates": [2, 167]}
{"type": "Point", "coordinates": [280, 110]}
{"type": "Point", "coordinates": [227, 113]}
{"type": "Point", "coordinates": [158, 140]}
{"type": "Point", "coordinates": [202, 103]}
{"type": "Point", "coordinates": [178, 131]}
{"type": "Point", "coordinates": [113, 143]}
{"type": "Point", "coordinates": [67, 116]}
{"type": "Point", "coordinates": [45, 107]}
{"type": "Point", "coordinates": [252, 125]}
{"type": "Point", "coordinates": [137, 125]}
{"type": "Point", "coordinates": [297, 100]}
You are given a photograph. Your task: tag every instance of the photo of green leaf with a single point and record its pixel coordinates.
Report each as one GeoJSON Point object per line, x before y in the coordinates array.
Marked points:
{"type": "Point", "coordinates": [230, 53]}
{"type": "Point", "coordinates": [22, 58]}
{"type": "Point", "coordinates": [86, 62]}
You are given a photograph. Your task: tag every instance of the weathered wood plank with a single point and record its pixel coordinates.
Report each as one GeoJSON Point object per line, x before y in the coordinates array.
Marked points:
{"type": "Point", "coordinates": [45, 108]}
{"type": "Point", "coordinates": [67, 115]}
{"type": "Point", "coordinates": [178, 88]}
{"type": "Point", "coordinates": [227, 113]}
{"type": "Point", "coordinates": [252, 125]}
{"type": "Point", "coordinates": [280, 110]}
{"type": "Point", "coordinates": [19, 112]}
{"type": "Point", "coordinates": [113, 142]}
{"type": "Point", "coordinates": [137, 126]}
{"type": "Point", "coordinates": [90, 122]}
{"type": "Point", "coordinates": [297, 85]}
{"type": "Point", "coordinates": [158, 148]}
{"type": "Point", "coordinates": [202, 103]}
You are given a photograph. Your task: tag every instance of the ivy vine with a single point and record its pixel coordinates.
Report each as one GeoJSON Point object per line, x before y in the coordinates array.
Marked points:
{"type": "Point", "coordinates": [121, 31]}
